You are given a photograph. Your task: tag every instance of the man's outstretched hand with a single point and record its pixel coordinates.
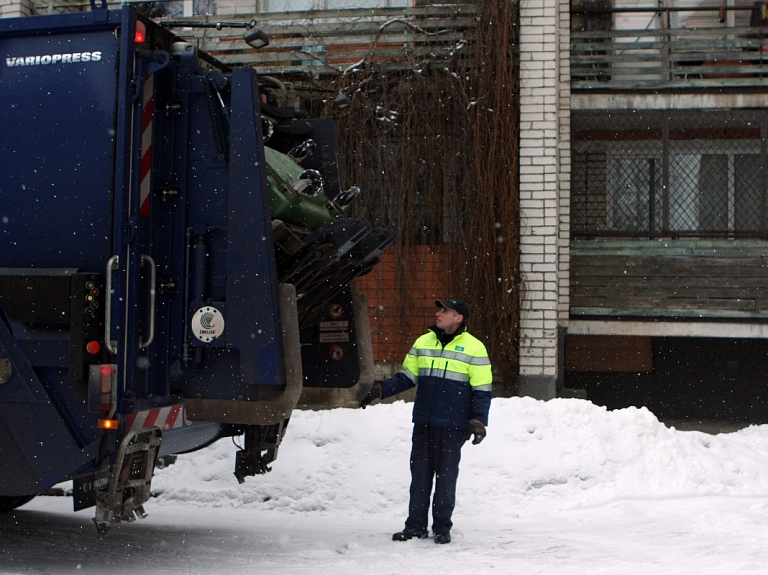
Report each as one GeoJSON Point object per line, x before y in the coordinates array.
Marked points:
{"type": "Point", "coordinates": [375, 393]}
{"type": "Point", "coordinates": [476, 430]}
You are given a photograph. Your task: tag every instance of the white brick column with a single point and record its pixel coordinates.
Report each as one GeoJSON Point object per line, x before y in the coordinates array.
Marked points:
{"type": "Point", "coordinates": [544, 189]}
{"type": "Point", "coordinates": [15, 8]}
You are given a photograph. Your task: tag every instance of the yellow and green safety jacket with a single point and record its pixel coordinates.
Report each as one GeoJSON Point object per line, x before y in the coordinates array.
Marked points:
{"type": "Point", "coordinates": [453, 375]}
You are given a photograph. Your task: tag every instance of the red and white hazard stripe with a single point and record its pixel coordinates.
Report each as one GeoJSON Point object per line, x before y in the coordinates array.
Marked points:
{"type": "Point", "coordinates": [170, 417]}
{"type": "Point", "coordinates": [146, 143]}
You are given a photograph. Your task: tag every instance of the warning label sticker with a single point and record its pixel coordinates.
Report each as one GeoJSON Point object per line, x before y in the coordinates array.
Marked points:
{"type": "Point", "coordinates": [334, 325]}
{"type": "Point", "coordinates": [337, 336]}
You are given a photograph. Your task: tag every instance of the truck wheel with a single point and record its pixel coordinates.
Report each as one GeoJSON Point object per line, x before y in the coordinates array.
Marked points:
{"type": "Point", "coordinates": [11, 503]}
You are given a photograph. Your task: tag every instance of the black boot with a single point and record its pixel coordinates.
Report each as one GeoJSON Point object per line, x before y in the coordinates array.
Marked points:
{"type": "Point", "coordinates": [442, 538]}
{"type": "Point", "coordinates": [407, 534]}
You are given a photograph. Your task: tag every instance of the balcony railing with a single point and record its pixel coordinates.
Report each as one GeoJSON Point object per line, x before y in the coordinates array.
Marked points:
{"type": "Point", "coordinates": [669, 59]}
{"type": "Point", "coordinates": [330, 41]}
{"type": "Point", "coordinates": [711, 45]}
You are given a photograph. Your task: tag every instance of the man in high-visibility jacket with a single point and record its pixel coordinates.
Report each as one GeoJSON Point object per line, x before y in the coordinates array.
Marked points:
{"type": "Point", "coordinates": [453, 374]}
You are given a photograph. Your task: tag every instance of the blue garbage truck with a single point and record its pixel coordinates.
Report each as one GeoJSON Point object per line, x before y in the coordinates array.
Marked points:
{"type": "Point", "coordinates": [177, 259]}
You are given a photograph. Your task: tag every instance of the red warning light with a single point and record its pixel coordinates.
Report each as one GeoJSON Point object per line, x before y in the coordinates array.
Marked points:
{"type": "Point", "coordinates": [141, 33]}
{"type": "Point", "coordinates": [93, 347]}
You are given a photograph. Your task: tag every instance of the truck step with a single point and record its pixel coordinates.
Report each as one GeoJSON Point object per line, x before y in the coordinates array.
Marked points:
{"type": "Point", "coordinates": [130, 479]}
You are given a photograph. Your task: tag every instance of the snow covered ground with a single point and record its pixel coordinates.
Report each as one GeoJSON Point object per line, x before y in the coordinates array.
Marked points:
{"type": "Point", "coordinates": [558, 487]}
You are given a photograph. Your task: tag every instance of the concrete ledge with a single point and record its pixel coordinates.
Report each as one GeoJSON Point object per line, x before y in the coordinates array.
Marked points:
{"type": "Point", "coordinates": [667, 101]}
{"type": "Point", "coordinates": [572, 393]}
{"type": "Point", "coordinates": [538, 386]}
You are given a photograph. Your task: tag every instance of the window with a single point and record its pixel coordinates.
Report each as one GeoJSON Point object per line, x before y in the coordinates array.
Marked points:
{"type": "Point", "coordinates": [669, 172]}
{"type": "Point", "coordinates": [181, 8]}
{"type": "Point", "coordinates": [633, 194]}
{"type": "Point", "coordinates": [293, 5]}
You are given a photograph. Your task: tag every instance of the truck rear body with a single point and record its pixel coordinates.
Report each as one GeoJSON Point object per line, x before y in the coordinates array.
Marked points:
{"type": "Point", "coordinates": [164, 280]}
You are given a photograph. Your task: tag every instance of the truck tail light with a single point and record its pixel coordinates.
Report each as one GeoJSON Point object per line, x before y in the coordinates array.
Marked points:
{"type": "Point", "coordinates": [141, 32]}
{"type": "Point", "coordinates": [102, 388]}
{"type": "Point", "coordinates": [107, 387]}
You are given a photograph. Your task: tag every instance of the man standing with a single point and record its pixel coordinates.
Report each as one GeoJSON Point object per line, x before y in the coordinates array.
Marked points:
{"type": "Point", "coordinates": [453, 374]}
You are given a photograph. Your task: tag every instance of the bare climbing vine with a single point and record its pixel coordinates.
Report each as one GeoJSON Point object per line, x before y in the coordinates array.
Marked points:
{"type": "Point", "coordinates": [434, 142]}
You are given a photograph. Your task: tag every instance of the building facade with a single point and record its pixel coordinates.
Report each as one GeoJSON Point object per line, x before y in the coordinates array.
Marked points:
{"type": "Point", "coordinates": [666, 277]}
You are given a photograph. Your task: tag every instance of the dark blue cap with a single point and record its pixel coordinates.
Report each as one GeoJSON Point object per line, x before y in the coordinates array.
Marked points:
{"type": "Point", "coordinates": [457, 305]}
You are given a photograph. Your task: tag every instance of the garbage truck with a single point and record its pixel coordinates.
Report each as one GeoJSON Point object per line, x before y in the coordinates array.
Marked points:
{"type": "Point", "coordinates": [177, 258]}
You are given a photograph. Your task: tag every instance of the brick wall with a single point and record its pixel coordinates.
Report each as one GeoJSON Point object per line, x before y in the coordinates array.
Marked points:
{"type": "Point", "coordinates": [401, 293]}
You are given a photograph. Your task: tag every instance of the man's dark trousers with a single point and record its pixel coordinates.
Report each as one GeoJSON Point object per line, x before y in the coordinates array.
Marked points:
{"type": "Point", "coordinates": [436, 453]}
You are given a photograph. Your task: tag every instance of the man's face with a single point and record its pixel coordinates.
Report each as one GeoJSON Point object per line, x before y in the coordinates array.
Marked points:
{"type": "Point", "coordinates": [448, 320]}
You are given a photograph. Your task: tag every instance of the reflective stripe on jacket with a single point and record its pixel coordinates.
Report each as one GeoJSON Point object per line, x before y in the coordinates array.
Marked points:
{"type": "Point", "coordinates": [454, 382]}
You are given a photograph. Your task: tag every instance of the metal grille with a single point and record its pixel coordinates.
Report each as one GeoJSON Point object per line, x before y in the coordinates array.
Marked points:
{"type": "Point", "coordinates": [670, 173]}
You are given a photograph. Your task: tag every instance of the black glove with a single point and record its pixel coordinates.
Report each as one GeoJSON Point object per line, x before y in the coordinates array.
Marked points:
{"type": "Point", "coordinates": [477, 429]}
{"type": "Point", "coordinates": [375, 393]}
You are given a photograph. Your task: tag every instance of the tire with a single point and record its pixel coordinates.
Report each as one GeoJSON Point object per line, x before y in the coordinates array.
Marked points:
{"type": "Point", "coordinates": [11, 503]}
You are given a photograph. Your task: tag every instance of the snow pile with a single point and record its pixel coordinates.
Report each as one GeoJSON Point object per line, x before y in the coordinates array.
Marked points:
{"type": "Point", "coordinates": [538, 456]}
